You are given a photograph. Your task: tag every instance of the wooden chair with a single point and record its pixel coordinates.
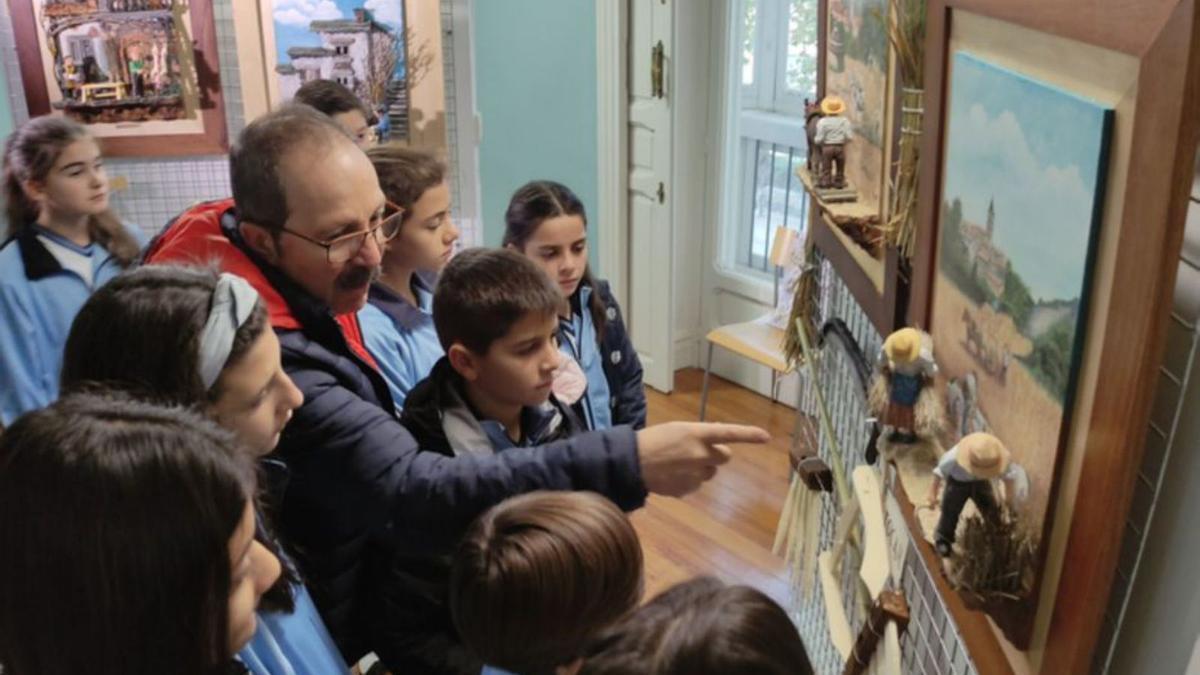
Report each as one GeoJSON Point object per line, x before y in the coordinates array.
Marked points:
{"type": "Point", "coordinates": [756, 340]}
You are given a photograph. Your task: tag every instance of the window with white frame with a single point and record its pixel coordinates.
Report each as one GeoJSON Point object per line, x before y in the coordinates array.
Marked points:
{"type": "Point", "coordinates": [775, 64]}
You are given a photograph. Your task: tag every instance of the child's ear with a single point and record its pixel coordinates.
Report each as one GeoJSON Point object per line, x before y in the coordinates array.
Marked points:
{"type": "Point", "coordinates": [260, 240]}
{"type": "Point", "coordinates": [463, 361]}
{"type": "Point", "coordinates": [34, 189]}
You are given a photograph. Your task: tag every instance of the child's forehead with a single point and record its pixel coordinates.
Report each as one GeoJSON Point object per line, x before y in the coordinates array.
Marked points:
{"type": "Point", "coordinates": [533, 323]}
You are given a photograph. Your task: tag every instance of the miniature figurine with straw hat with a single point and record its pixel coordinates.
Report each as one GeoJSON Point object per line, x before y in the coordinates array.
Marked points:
{"type": "Point", "coordinates": [968, 470]}
{"type": "Point", "coordinates": [901, 397]}
{"type": "Point", "coordinates": [833, 133]}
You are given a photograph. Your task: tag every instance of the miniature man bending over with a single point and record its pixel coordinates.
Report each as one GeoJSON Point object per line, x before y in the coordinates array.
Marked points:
{"type": "Point", "coordinates": [968, 470]}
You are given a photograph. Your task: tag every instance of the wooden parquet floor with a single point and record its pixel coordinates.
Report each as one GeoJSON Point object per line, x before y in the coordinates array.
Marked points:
{"type": "Point", "coordinates": [726, 528]}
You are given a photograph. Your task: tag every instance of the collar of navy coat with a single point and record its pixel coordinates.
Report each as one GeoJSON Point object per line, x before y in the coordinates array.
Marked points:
{"type": "Point", "coordinates": [38, 260]}
{"type": "Point", "coordinates": [397, 308]}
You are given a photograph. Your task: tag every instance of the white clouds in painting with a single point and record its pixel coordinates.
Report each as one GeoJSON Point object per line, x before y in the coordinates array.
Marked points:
{"type": "Point", "coordinates": [386, 11]}
{"type": "Point", "coordinates": [1044, 191]}
{"type": "Point", "coordinates": [302, 12]}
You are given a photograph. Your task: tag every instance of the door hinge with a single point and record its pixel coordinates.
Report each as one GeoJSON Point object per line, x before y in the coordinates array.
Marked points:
{"type": "Point", "coordinates": [662, 193]}
{"type": "Point", "coordinates": [656, 70]}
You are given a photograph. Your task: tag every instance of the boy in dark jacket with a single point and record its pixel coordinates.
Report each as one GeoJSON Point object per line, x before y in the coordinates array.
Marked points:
{"type": "Point", "coordinates": [496, 317]}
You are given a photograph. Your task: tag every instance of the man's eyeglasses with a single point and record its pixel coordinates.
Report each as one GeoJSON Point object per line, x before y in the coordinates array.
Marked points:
{"type": "Point", "coordinates": [341, 249]}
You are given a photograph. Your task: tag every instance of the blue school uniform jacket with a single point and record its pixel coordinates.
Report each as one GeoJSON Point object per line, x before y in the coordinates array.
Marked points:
{"type": "Point", "coordinates": [295, 643]}
{"type": "Point", "coordinates": [615, 394]}
{"type": "Point", "coordinates": [39, 299]}
{"type": "Point", "coordinates": [402, 338]}
{"type": "Point", "coordinates": [360, 491]}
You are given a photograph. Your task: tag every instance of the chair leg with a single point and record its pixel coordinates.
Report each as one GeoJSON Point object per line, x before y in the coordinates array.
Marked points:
{"type": "Point", "coordinates": [704, 388]}
{"type": "Point", "coordinates": [774, 385]}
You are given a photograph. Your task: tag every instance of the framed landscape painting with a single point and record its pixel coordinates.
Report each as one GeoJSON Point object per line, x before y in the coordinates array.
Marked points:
{"type": "Point", "coordinates": [1023, 184]}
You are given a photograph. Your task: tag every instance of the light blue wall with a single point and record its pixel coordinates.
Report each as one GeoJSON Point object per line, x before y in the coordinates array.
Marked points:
{"type": "Point", "coordinates": [6, 114]}
{"type": "Point", "coordinates": [535, 64]}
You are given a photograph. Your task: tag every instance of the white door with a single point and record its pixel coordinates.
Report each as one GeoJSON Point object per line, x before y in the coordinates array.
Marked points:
{"type": "Point", "coordinates": [650, 225]}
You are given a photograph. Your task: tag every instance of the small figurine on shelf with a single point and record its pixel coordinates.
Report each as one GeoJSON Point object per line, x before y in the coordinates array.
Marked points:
{"type": "Point", "coordinates": [901, 396]}
{"type": "Point", "coordinates": [72, 78]}
{"type": "Point", "coordinates": [137, 64]}
{"type": "Point", "coordinates": [967, 470]}
{"type": "Point", "coordinates": [833, 132]}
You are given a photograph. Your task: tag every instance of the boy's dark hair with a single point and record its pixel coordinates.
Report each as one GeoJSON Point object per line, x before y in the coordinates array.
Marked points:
{"type": "Point", "coordinates": [254, 159]}
{"type": "Point", "coordinates": [482, 292]}
{"type": "Point", "coordinates": [406, 173]}
{"type": "Point", "coordinates": [115, 522]}
{"type": "Point", "coordinates": [329, 98]}
{"type": "Point", "coordinates": [538, 575]}
{"type": "Point", "coordinates": [701, 627]}
{"type": "Point", "coordinates": [532, 204]}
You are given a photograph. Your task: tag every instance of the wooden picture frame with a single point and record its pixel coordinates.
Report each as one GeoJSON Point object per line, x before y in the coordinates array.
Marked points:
{"type": "Point", "coordinates": [1149, 180]}
{"type": "Point", "coordinates": [211, 136]}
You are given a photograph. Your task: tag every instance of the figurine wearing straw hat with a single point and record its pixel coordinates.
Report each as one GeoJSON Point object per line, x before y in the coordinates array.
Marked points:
{"type": "Point", "coordinates": [833, 133]}
{"type": "Point", "coordinates": [900, 396]}
{"type": "Point", "coordinates": [967, 470]}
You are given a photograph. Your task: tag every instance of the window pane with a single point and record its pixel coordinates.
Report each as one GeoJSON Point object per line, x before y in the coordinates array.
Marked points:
{"type": "Point", "coordinates": [749, 25]}
{"type": "Point", "coordinates": [778, 199]}
{"type": "Point", "coordinates": [802, 48]}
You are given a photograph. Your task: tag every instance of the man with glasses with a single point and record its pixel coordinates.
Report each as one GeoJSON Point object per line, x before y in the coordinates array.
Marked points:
{"type": "Point", "coordinates": [305, 227]}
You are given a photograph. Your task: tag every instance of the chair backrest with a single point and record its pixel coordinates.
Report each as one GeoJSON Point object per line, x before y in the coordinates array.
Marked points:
{"type": "Point", "coordinates": [781, 245]}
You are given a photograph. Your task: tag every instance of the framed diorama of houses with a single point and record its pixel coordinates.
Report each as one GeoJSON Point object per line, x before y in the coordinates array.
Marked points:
{"type": "Point", "coordinates": [388, 52]}
{"type": "Point", "coordinates": [1057, 159]}
{"type": "Point", "coordinates": [141, 74]}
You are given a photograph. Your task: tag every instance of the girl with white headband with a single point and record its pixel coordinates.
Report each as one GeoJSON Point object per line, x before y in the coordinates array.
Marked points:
{"type": "Point", "coordinates": [194, 338]}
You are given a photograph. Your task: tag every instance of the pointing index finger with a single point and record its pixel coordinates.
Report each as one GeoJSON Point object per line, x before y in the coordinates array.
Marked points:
{"type": "Point", "coordinates": [713, 433]}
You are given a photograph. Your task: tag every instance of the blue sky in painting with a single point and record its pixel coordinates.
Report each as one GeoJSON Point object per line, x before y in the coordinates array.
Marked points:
{"type": "Point", "coordinates": [293, 16]}
{"type": "Point", "coordinates": [1036, 150]}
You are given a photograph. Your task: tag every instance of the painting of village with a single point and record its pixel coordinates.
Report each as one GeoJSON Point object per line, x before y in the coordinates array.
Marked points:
{"type": "Point", "coordinates": [1024, 180]}
{"type": "Point", "coordinates": [856, 66]}
{"type": "Point", "coordinates": [359, 43]}
{"type": "Point", "coordinates": [119, 61]}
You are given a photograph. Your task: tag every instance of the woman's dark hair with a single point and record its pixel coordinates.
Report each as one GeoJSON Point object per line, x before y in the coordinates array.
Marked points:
{"type": "Point", "coordinates": [701, 627]}
{"type": "Point", "coordinates": [115, 523]}
{"type": "Point", "coordinates": [140, 333]}
{"type": "Point", "coordinates": [534, 203]}
{"type": "Point", "coordinates": [29, 155]}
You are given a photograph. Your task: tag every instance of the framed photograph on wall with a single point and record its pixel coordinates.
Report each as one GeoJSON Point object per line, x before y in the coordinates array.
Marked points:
{"type": "Point", "coordinates": [141, 74]}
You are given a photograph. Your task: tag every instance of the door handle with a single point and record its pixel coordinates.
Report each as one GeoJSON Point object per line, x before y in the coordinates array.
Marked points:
{"type": "Point", "coordinates": [662, 193]}
{"type": "Point", "coordinates": [656, 70]}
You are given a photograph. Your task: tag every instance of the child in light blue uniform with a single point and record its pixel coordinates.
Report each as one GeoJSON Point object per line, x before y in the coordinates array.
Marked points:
{"type": "Point", "coordinates": [602, 378]}
{"type": "Point", "coordinates": [397, 323]}
{"type": "Point", "coordinates": [127, 337]}
{"type": "Point", "coordinates": [63, 242]}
